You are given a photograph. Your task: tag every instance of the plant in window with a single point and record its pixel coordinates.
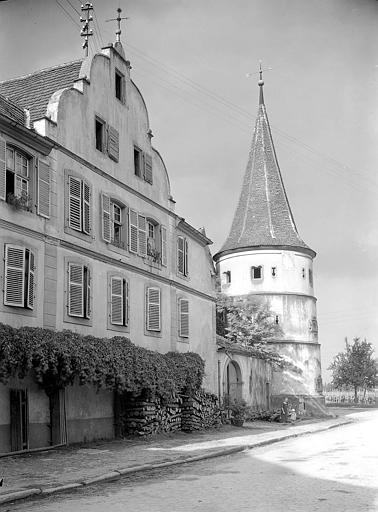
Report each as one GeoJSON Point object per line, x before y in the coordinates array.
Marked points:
{"type": "Point", "coordinates": [22, 202]}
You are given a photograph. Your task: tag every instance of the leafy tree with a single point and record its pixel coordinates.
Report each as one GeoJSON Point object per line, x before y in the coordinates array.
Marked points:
{"type": "Point", "coordinates": [355, 367]}
{"type": "Point", "coordinates": [249, 322]}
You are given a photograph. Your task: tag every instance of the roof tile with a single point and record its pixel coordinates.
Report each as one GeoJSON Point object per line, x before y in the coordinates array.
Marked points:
{"type": "Point", "coordinates": [35, 90]}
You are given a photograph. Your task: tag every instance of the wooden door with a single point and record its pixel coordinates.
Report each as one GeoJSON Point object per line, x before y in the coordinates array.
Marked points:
{"type": "Point", "coordinates": [19, 419]}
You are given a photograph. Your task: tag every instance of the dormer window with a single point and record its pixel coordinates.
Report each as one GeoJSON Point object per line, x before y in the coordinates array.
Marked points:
{"type": "Point", "coordinates": [119, 82]}
{"type": "Point", "coordinates": [138, 161]}
{"type": "Point", "coordinates": [257, 273]}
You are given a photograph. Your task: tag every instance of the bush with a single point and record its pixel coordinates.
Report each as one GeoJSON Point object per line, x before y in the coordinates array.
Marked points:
{"type": "Point", "coordinates": [57, 359]}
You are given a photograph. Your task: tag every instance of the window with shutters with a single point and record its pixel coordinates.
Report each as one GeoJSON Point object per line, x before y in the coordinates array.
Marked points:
{"type": "Point", "coordinates": [153, 309]}
{"type": "Point", "coordinates": [79, 290]}
{"type": "Point", "coordinates": [119, 301]}
{"type": "Point", "coordinates": [182, 256]}
{"type": "Point", "coordinates": [183, 318]}
{"type": "Point", "coordinates": [17, 178]}
{"type": "Point", "coordinates": [79, 205]}
{"type": "Point", "coordinates": [19, 277]}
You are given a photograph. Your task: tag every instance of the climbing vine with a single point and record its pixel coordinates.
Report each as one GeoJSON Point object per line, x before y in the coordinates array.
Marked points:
{"type": "Point", "coordinates": [58, 359]}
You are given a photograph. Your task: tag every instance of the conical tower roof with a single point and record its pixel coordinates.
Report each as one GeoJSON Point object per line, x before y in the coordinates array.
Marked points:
{"type": "Point", "coordinates": [263, 217]}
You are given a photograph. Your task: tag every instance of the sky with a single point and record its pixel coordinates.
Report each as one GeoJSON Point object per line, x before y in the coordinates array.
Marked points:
{"type": "Point", "coordinates": [196, 64]}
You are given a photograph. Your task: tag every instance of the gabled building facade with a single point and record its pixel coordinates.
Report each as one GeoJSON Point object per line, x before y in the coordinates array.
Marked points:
{"type": "Point", "coordinates": [264, 256]}
{"type": "Point", "coordinates": [89, 233]}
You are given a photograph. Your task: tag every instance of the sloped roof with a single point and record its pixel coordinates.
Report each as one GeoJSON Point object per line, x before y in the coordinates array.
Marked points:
{"type": "Point", "coordinates": [35, 90]}
{"type": "Point", "coordinates": [263, 216]}
{"type": "Point", "coordinates": [10, 109]}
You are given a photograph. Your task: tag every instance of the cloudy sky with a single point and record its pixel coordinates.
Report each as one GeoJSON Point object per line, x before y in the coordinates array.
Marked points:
{"type": "Point", "coordinates": [190, 59]}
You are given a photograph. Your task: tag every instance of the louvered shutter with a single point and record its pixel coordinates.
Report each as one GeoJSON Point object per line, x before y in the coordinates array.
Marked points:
{"type": "Point", "coordinates": [186, 257]}
{"type": "Point", "coordinates": [75, 290]}
{"type": "Point", "coordinates": [87, 283]}
{"type": "Point", "coordinates": [133, 231]}
{"type": "Point", "coordinates": [74, 203]}
{"type": "Point", "coordinates": [184, 318]}
{"type": "Point", "coordinates": [14, 286]}
{"type": "Point", "coordinates": [113, 143]}
{"type": "Point", "coordinates": [86, 208]}
{"type": "Point", "coordinates": [148, 168]}
{"type": "Point", "coordinates": [163, 234]}
{"type": "Point", "coordinates": [153, 309]}
{"type": "Point", "coordinates": [180, 255]}
{"type": "Point", "coordinates": [43, 189]}
{"type": "Point", "coordinates": [142, 235]}
{"type": "Point", "coordinates": [31, 281]}
{"type": "Point", "coordinates": [3, 168]}
{"type": "Point", "coordinates": [117, 301]}
{"type": "Point", "coordinates": [106, 218]}
{"type": "Point", "coordinates": [126, 302]}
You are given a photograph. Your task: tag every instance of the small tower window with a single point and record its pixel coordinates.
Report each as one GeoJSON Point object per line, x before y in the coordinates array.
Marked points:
{"type": "Point", "coordinates": [277, 319]}
{"type": "Point", "coordinates": [304, 273]}
{"type": "Point", "coordinates": [310, 277]}
{"type": "Point", "coordinates": [257, 272]}
{"type": "Point", "coordinates": [274, 271]}
{"type": "Point", "coordinates": [226, 277]}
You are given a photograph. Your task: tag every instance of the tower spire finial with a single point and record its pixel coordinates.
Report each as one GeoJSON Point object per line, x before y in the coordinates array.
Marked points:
{"type": "Point", "coordinates": [261, 85]}
{"type": "Point", "coordinates": [118, 19]}
{"type": "Point", "coordinates": [86, 32]}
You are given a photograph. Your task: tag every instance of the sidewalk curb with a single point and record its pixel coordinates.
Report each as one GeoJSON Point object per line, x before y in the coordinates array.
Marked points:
{"type": "Point", "coordinates": [117, 473]}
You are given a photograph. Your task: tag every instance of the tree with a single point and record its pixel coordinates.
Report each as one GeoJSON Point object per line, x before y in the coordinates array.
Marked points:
{"type": "Point", "coordinates": [249, 322]}
{"type": "Point", "coordinates": [354, 367]}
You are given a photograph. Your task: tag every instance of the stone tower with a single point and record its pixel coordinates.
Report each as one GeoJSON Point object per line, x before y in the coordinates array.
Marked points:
{"type": "Point", "coordinates": [265, 256]}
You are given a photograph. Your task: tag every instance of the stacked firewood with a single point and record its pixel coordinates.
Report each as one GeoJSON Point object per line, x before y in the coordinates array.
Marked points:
{"type": "Point", "coordinates": [200, 412]}
{"type": "Point", "coordinates": [152, 417]}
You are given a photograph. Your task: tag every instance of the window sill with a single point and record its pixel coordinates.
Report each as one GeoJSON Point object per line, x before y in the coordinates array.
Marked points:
{"type": "Point", "coordinates": [180, 339]}
{"type": "Point", "coordinates": [153, 334]}
{"type": "Point", "coordinates": [78, 234]}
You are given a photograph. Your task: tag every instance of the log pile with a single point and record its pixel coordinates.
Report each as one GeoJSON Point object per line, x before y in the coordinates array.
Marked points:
{"type": "Point", "coordinates": [200, 412]}
{"type": "Point", "coordinates": [151, 417]}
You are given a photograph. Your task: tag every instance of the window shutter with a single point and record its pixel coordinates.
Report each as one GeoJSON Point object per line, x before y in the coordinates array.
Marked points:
{"type": "Point", "coordinates": [31, 281]}
{"type": "Point", "coordinates": [163, 234]}
{"type": "Point", "coordinates": [148, 168]}
{"type": "Point", "coordinates": [117, 298]}
{"type": "Point", "coordinates": [86, 208]}
{"type": "Point", "coordinates": [184, 318]}
{"type": "Point", "coordinates": [180, 255]}
{"type": "Point", "coordinates": [142, 235]}
{"type": "Point", "coordinates": [133, 231]}
{"type": "Point", "coordinates": [113, 143]}
{"type": "Point", "coordinates": [74, 203]}
{"type": "Point", "coordinates": [14, 289]}
{"type": "Point", "coordinates": [186, 257]}
{"type": "Point", "coordinates": [153, 309]}
{"type": "Point", "coordinates": [43, 189]}
{"type": "Point", "coordinates": [106, 218]}
{"type": "Point", "coordinates": [87, 281]}
{"type": "Point", "coordinates": [3, 168]}
{"type": "Point", "coordinates": [75, 290]}
{"type": "Point", "coordinates": [126, 302]}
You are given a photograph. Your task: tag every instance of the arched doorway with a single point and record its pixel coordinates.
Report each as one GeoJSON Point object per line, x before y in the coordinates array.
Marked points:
{"type": "Point", "coordinates": [233, 382]}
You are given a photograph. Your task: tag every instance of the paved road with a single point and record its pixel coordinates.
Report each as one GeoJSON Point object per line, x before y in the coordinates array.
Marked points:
{"type": "Point", "coordinates": [330, 471]}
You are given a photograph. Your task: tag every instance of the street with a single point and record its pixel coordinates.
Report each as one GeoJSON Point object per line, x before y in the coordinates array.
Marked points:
{"type": "Point", "coordinates": [333, 471]}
